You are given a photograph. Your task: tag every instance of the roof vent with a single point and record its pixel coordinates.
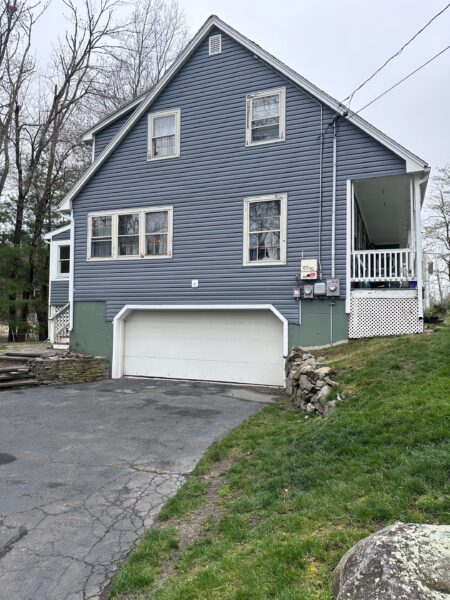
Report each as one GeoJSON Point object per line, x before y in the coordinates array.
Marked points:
{"type": "Point", "coordinates": [215, 44]}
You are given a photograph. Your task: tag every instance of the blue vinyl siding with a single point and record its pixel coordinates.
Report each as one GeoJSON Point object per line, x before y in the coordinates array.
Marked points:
{"type": "Point", "coordinates": [207, 185]}
{"type": "Point", "coordinates": [64, 235]}
{"type": "Point", "coordinates": [103, 137]}
{"type": "Point", "coordinates": [59, 293]}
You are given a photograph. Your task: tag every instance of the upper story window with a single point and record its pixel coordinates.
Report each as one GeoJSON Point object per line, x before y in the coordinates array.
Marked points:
{"type": "Point", "coordinates": [266, 117]}
{"type": "Point", "coordinates": [64, 260]}
{"type": "Point", "coordinates": [164, 134]}
{"type": "Point", "coordinates": [140, 233]}
{"type": "Point", "coordinates": [265, 230]}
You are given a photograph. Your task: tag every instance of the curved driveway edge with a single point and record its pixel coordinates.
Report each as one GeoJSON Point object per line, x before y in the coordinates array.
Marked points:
{"type": "Point", "coordinates": [84, 470]}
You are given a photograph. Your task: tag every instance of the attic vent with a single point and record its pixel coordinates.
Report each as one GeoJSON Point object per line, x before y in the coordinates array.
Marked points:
{"type": "Point", "coordinates": [215, 44]}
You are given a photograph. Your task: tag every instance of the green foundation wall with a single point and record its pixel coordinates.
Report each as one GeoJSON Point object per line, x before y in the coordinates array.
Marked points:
{"type": "Point", "coordinates": [315, 328]}
{"type": "Point", "coordinates": [91, 333]}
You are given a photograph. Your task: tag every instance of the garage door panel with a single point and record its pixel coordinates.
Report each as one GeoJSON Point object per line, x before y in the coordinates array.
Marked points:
{"type": "Point", "coordinates": [255, 373]}
{"type": "Point", "coordinates": [229, 345]}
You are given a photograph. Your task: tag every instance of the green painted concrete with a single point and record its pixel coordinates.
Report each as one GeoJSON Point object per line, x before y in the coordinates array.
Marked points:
{"type": "Point", "coordinates": [315, 328]}
{"type": "Point", "coordinates": [91, 333]}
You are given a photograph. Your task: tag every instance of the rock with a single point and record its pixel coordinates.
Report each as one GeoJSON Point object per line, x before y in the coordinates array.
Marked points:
{"type": "Point", "coordinates": [324, 392]}
{"type": "Point", "coordinates": [324, 371]}
{"type": "Point", "coordinates": [400, 562]}
{"type": "Point", "coordinates": [305, 383]}
{"type": "Point", "coordinates": [330, 381]}
{"type": "Point", "coordinates": [310, 408]}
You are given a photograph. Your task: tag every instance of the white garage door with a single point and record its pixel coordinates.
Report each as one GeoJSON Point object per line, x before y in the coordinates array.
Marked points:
{"type": "Point", "coordinates": [241, 346]}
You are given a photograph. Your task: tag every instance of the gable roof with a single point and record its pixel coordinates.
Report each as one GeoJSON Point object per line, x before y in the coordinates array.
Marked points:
{"type": "Point", "coordinates": [89, 134]}
{"type": "Point", "coordinates": [413, 162]}
{"type": "Point", "coordinates": [51, 234]}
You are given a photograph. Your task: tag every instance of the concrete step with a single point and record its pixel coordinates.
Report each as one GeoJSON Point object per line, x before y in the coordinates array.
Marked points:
{"type": "Point", "coordinates": [23, 354]}
{"type": "Point", "coordinates": [14, 368]}
{"type": "Point", "coordinates": [13, 360]}
{"type": "Point", "coordinates": [18, 383]}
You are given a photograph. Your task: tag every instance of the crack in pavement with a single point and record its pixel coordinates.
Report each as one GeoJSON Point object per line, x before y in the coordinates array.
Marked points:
{"type": "Point", "coordinates": [91, 477]}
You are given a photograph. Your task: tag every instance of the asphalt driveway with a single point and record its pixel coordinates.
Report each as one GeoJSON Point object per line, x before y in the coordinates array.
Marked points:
{"type": "Point", "coordinates": [84, 470]}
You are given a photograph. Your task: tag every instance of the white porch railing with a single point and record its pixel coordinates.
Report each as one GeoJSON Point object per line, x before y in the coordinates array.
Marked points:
{"type": "Point", "coordinates": [58, 325]}
{"type": "Point", "coordinates": [383, 265]}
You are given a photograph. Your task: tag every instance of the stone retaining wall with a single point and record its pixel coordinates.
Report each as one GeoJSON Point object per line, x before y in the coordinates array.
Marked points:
{"type": "Point", "coordinates": [69, 368]}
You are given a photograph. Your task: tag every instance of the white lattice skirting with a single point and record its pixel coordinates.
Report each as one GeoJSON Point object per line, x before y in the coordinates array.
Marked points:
{"type": "Point", "coordinates": [370, 317]}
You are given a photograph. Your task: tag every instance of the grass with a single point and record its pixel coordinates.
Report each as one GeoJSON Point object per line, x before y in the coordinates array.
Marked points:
{"type": "Point", "coordinates": [300, 492]}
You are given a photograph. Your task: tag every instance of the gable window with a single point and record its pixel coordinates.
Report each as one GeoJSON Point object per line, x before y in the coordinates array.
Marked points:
{"type": "Point", "coordinates": [265, 230]}
{"type": "Point", "coordinates": [266, 117]}
{"type": "Point", "coordinates": [140, 233]}
{"type": "Point", "coordinates": [63, 260]}
{"type": "Point", "coordinates": [164, 134]}
{"type": "Point", "coordinates": [101, 236]}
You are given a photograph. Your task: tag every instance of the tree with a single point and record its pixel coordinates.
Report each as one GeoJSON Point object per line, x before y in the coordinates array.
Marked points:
{"type": "Point", "coordinates": [437, 230]}
{"type": "Point", "coordinates": [145, 47]}
{"type": "Point", "coordinates": [16, 22]}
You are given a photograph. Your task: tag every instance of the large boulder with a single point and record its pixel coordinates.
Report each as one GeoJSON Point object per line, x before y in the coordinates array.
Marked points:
{"type": "Point", "coordinates": [400, 562]}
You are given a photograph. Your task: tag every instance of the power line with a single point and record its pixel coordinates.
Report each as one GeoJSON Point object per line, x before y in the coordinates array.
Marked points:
{"type": "Point", "coordinates": [401, 81]}
{"type": "Point", "coordinates": [350, 97]}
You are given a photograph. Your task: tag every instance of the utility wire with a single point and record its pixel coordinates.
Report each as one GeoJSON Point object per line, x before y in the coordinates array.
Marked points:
{"type": "Point", "coordinates": [401, 81]}
{"type": "Point", "coordinates": [350, 97]}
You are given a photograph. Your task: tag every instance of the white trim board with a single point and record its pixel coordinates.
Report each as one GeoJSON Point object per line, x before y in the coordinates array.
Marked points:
{"type": "Point", "coordinates": [119, 320]}
{"type": "Point", "coordinates": [50, 234]}
{"type": "Point", "coordinates": [413, 162]}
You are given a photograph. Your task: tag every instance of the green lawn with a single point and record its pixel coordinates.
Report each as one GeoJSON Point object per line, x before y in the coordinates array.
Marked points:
{"type": "Point", "coordinates": [297, 493]}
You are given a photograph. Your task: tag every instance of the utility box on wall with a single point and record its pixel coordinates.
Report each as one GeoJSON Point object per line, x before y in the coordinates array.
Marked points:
{"type": "Point", "coordinates": [308, 268]}
{"type": "Point", "coordinates": [333, 288]}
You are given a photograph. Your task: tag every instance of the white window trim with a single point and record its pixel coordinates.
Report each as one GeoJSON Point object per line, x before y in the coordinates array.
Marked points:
{"type": "Point", "coordinates": [282, 122]}
{"type": "Point", "coordinates": [283, 230]}
{"type": "Point", "coordinates": [114, 214]}
{"type": "Point", "coordinates": [55, 274]}
{"type": "Point", "coordinates": [163, 113]}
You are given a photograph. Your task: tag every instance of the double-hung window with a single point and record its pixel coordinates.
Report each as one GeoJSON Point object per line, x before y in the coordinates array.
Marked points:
{"type": "Point", "coordinates": [128, 234]}
{"type": "Point", "coordinates": [63, 260]}
{"type": "Point", "coordinates": [157, 233]}
{"type": "Point", "coordinates": [138, 233]}
{"type": "Point", "coordinates": [164, 134]}
{"type": "Point", "coordinates": [265, 230]}
{"type": "Point", "coordinates": [266, 117]}
{"type": "Point", "coordinates": [100, 236]}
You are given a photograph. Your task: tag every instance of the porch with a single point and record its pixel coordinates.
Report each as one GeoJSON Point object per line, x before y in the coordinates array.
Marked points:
{"type": "Point", "coordinates": [385, 257]}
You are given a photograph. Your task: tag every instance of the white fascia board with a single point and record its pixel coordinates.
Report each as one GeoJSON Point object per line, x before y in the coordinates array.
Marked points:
{"type": "Point", "coordinates": [50, 234]}
{"type": "Point", "coordinates": [413, 162]}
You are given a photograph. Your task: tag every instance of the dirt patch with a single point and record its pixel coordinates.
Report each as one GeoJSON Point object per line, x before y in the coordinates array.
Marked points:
{"type": "Point", "coordinates": [189, 528]}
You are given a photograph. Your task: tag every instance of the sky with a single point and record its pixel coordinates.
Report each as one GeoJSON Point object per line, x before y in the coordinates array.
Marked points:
{"type": "Point", "coordinates": [337, 45]}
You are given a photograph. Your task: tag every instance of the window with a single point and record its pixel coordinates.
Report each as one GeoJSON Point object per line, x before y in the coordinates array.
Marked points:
{"type": "Point", "coordinates": [266, 117]}
{"type": "Point", "coordinates": [265, 230]}
{"type": "Point", "coordinates": [156, 233]}
{"type": "Point", "coordinates": [64, 260]}
{"type": "Point", "coordinates": [143, 233]}
{"type": "Point", "coordinates": [164, 135]}
{"type": "Point", "coordinates": [101, 237]}
{"type": "Point", "coordinates": [215, 44]}
{"type": "Point", "coordinates": [128, 234]}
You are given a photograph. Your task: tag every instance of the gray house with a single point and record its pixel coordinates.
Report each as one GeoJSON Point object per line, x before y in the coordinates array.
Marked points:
{"type": "Point", "coordinates": [232, 212]}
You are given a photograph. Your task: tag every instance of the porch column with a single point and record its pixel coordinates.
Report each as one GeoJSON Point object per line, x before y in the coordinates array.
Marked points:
{"type": "Point", "coordinates": [418, 242]}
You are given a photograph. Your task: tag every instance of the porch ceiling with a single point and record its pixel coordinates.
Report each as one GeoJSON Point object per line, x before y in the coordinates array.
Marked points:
{"type": "Point", "coordinates": [385, 207]}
